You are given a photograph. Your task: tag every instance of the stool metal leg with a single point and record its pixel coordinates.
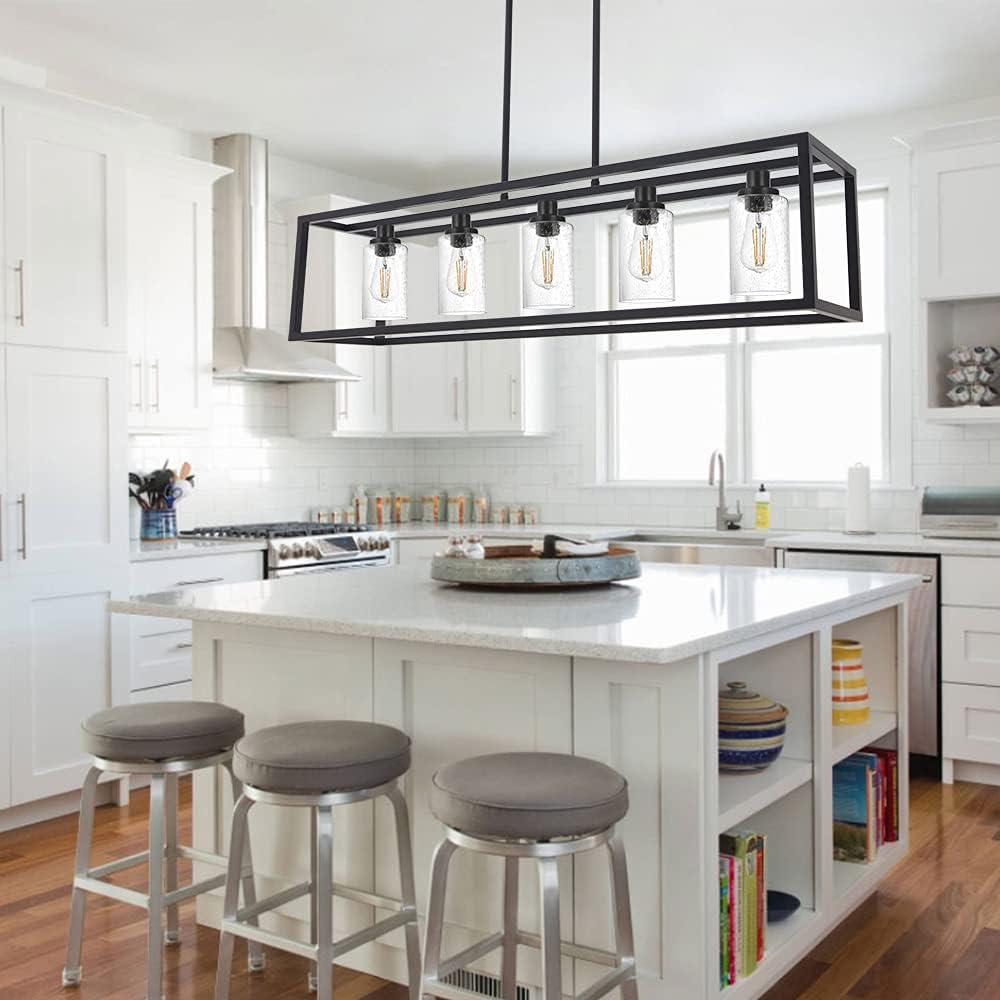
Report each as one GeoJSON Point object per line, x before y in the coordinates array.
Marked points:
{"type": "Point", "coordinates": [621, 904]}
{"type": "Point", "coordinates": [72, 970]}
{"type": "Point", "coordinates": [173, 934]}
{"type": "Point", "coordinates": [408, 890]}
{"type": "Point", "coordinates": [548, 871]}
{"type": "Point", "coordinates": [324, 902]}
{"type": "Point", "coordinates": [154, 942]}
{"type": "Point", "coordinates": [312, 978]}
{"type": "Point", "coordinates": [237, 839]}
{"type": "Point", "coordinates": [435, 912]}
{"type": "Point", "coordinates": [255, 951]}
{"type": "Point", "coordinates": [508, 974]}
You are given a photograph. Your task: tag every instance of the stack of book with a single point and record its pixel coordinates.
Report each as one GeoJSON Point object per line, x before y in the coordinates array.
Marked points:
{"type": "Point", "coordinates": [742, 903]}
{"type": "Point", "coordinates": [865, 804]}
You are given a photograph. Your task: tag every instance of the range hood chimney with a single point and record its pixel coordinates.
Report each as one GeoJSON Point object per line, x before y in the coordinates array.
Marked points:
{"type": "Point", "coordinates": [245, 348]}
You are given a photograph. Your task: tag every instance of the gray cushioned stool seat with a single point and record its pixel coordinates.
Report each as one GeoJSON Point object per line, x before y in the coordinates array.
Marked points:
{"type": "Point", "coordinates": [529, 796]}
{"type": "Point", "coordinates": [161, 730]}
{"type": "Point", "coordinates": [322, 756]}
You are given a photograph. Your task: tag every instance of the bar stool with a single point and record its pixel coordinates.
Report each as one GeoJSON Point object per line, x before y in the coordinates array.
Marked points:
{"type": "Point", "coordinates": [164, 740]}
{"type": "Point", "coordinates": [320, 765]}
{"type": "Point", "coordinates": [530, 805]}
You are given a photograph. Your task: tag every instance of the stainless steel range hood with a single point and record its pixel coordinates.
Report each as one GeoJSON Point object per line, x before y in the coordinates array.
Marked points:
{"type": "Point", "coordinates": [244, 347]}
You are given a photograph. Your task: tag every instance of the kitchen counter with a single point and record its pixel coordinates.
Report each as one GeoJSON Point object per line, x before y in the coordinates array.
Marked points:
{"type": "Point", "coordinates": [886, 541]}
{"type": "Point", "coordinates": [181, 548]}
{"type": "Point", "coordinates": [626, 674]}
{"type": "Point", "coordinates": [670, 613]}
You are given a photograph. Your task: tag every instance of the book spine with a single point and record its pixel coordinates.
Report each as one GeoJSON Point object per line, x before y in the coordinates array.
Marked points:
{"type": "Point", "coordinates": [738, 921]}
{"type": "Point", "coordinates": [750, 912]}
{"type": "Point", "coordinates": [870, 780]}
{"type": "Point", "coordinates": [733, 897]}
{"type": "Point", "coordinates": [761, 896]}
{"type": "Point", "coordinates": [723, 922]}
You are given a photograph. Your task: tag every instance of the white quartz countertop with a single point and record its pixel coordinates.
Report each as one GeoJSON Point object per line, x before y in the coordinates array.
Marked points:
{"type": "Point", "coordinates": [670, 613]}
{"type": "Point", "coordinates": [182, 548]}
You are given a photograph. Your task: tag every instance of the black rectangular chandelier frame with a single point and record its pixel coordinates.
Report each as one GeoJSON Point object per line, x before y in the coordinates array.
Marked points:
{"type": "Point", "coordinates": [797, 161]}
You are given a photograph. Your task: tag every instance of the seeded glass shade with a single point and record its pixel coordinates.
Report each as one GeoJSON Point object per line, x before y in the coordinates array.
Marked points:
{"type": "Point", "coordinates": [461, 276]}
{"type": "Point", "coordinates": [547, 267]}
{"type": "Point", "coordinates": [646, 258]}
{"type": "Point", "coordinates": [384, 293]}
{"type": "Point", "coordinates": [758, 247]}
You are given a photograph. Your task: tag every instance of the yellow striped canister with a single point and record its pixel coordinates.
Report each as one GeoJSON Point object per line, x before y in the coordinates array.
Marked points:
{"type": "Point", "coordinates": [850, 689]}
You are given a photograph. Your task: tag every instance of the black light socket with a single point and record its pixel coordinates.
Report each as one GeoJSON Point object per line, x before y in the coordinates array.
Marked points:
{"type": "Point", "coordinates": [460, 232]}
{"type": "Point", "coordinates": [384, 241]}
{"type": "Point", "coordinates": [757, 193]}
{"type": "Point", "coordinates": [644, 207]}
{"type": "Point", "coordinates": [547, 218]}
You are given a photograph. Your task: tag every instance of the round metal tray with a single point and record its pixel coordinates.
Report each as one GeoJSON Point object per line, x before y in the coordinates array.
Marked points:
{"type": "Point", "coordinates": [517, 567]}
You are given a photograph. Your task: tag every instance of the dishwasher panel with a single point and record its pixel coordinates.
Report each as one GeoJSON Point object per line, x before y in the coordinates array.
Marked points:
{"type": "Point", "coordinates": [925, 686]}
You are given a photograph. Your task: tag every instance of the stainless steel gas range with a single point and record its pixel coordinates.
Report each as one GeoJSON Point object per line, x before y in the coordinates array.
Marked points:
{"type": "Point", "coordinates": [307, 547]}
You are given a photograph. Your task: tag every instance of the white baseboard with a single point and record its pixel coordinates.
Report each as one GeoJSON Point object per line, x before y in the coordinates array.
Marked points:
{"type": "Point", "coordinates": [58, 805]}
{"type": "Point", "coordinates": [982, 774]}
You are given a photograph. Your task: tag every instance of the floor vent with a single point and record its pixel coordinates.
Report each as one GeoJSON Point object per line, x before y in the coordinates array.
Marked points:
{"type": "Point", "coordinates": [482, 983]}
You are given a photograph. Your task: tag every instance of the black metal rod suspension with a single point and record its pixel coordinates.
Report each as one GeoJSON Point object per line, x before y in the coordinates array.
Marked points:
{"type": "Point", "coordinates": [505, 126]}
{"type": "Point", "coordinates": [595, 92]}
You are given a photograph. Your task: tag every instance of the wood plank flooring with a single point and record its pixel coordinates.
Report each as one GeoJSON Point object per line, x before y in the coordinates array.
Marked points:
{"type": "Point", "coordinates": [931, 933]}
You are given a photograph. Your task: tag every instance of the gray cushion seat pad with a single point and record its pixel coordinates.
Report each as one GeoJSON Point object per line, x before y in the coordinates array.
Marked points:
{"type": "Point", "coordinates": [161, 730]}
{"type": "Point", "coordinates": [322, 756]}
{"type": "Point", "coordinates": [530, 796]}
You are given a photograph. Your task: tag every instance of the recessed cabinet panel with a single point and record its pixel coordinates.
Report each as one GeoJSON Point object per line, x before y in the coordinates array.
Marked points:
{"type": "Point", "coordinates": [64, 231]}
{"type": "Point", "coordinates": [67, 662]}
{"type": "Point", "coordinates": [428, 389]}
{"type": "Point", "coordinates": [66, 504]}
{"type": "Point", "coordinates": [958, 208]}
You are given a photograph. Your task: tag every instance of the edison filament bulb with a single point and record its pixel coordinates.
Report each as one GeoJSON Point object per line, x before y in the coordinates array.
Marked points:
{"type": "Point", "coordinates": [547, 258]}
{"type": "Point", "coordinates": [461, 268]}
{"type": "Point", "coordinates": [384, 294]}
{"type": "Point", "coordinates": [645, 249]}
{"type": "Point", "coordinates": [758, 238]}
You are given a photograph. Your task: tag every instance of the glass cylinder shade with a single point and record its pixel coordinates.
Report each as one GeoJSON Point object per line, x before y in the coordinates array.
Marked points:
{"type": "Point", "coordinates": [384, 293]}
{"type": "Point", "coordinates": [547, 265]}
{"type": "Point", "coordinates": [646, 257]}
{"type": "Point", "coordinates": [461, 275]}
{"type": "Point", "coordinates": [758, 245]}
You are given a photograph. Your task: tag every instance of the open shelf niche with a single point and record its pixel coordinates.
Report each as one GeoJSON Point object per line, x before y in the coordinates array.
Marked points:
{"type": "Point", "coordinates": [951, 323]}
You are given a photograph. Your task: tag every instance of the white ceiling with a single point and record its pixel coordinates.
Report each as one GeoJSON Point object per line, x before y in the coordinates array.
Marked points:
{"type": "Point", "coordinates": [408, 92]}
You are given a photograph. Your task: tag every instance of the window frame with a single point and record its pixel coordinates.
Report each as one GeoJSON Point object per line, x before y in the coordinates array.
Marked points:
{"type": "Point", "coordinates": [890, 175]}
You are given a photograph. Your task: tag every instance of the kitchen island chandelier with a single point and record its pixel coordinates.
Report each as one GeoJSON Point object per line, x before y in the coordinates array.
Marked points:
{"type": "Point", "coordinates": [751, 173]}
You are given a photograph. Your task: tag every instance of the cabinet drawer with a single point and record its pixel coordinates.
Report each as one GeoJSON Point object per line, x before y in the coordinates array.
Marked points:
{"type": "Point", "coordinates": [164, 658]}
{"type": "Point", "coordinates": [171, 692]}
{"type": "Point", "coordinates": [970, 719]}
{"type": "Point", "coordinates": [970, 645]}
{"type": "Point", "coordinates": [971, 581]}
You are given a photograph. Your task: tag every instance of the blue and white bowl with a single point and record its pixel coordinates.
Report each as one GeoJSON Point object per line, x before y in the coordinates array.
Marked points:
{"type": "Point", "coordinates": [751, 729]}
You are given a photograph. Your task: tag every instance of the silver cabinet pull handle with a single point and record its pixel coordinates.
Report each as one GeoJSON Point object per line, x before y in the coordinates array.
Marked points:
{"type": "Point", "coordinates": [137, 398]}
{"type": "Point", "coordinates": [191, 583]}
{"type": "Point", "coordinates": [454, 388]}
{"type": "Point", "coordinates": [342, 390]}
{"type": "Point", "coordinates": [155, 365]}
{"type": "Point", "coordinates": [513, 397]}
{"type": "Point", "coordinates": [927, 579]}
{"type": "Point", "coordinates": [22, 551]}
{"type": "Point", "coordinates": [184, 645]}
{"type": "Point", "coordinates": [19, 269]}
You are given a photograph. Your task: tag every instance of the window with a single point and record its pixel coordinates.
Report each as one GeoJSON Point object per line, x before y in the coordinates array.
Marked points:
{"type": "Point", "coordinates": [786, 404]}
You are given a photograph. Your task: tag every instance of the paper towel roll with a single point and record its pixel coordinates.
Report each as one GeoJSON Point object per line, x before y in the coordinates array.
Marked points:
{"type": "Point", "coordinates": [859, 501]}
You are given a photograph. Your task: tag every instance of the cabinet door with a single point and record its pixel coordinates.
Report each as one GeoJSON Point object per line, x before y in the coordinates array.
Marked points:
{"type": "Point", "coordinates": [65, 233]}
{"type": "Point", "coordinates": [69, 658]}
{"type": "Point", "coordinates": [428, 388]}
{"type": "Point", "coordinates": [6, 708]}
{"type": "Point", "coordinates": [169, 298]}
{"type": "Point", "coordinates": [958, 210]}
{"type": "Point", "coordinates": [362, 407]}
{"type": "Point", "coordinates": [67, 502]}
{"type": "Point", "coordinates": [496, 386]}
{"type": "Point", "coordinates": [6, 522]}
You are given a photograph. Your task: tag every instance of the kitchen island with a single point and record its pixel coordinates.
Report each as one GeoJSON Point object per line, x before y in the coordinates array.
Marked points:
{"type": "Point", "coordinates": [626, 674]}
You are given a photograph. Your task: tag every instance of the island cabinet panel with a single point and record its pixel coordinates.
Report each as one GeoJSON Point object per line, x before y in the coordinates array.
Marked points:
{"type": "Point", "coordinates": [275, 677]}
{"type": "Point", "coordinates": [650, 722]}
{"type": "Point", "coordinates": [455, 703]}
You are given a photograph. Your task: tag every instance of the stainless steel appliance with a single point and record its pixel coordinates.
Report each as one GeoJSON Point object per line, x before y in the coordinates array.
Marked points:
{"type": "Point", "coordinates": [960, 512]}
{"type": "Point", "coordinates": [307, 547]}
{"type": "Point", "coordinates": [925, 686]}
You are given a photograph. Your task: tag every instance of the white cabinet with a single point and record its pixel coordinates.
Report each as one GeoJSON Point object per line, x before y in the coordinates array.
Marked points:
{"type": "Point", "coordinates": [428, 389]}
{"type": "Point", "coordinates": [6, 712]}
{"type": "Point", "coordinates": [161, 647]}
{"type": "Point", "coordinates": [69, 658]}
{"type": "Point", "coordinates": [958, 211]}
{"type": "Point", "coordinates": [332, 299]}
{"type": "Point", "coordinates": [64, 232]}
{"type": "Point", "coordinates": [511, 387]}
{"type": "Point", "coordinates": [170, 292]}
{"type": "Point", "coordinates": [66, 501]}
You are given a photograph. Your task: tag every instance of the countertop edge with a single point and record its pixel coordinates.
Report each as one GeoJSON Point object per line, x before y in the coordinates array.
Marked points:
{"type": "Point", "coordinates": [557, 647]}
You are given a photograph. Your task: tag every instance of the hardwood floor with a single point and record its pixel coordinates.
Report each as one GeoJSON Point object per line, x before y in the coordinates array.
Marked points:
{"type": "Point", "coordinates": [931, 933]}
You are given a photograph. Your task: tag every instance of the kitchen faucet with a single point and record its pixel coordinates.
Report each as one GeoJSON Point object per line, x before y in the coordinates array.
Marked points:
{"type": "Point", "coordinates": [725, 519]}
